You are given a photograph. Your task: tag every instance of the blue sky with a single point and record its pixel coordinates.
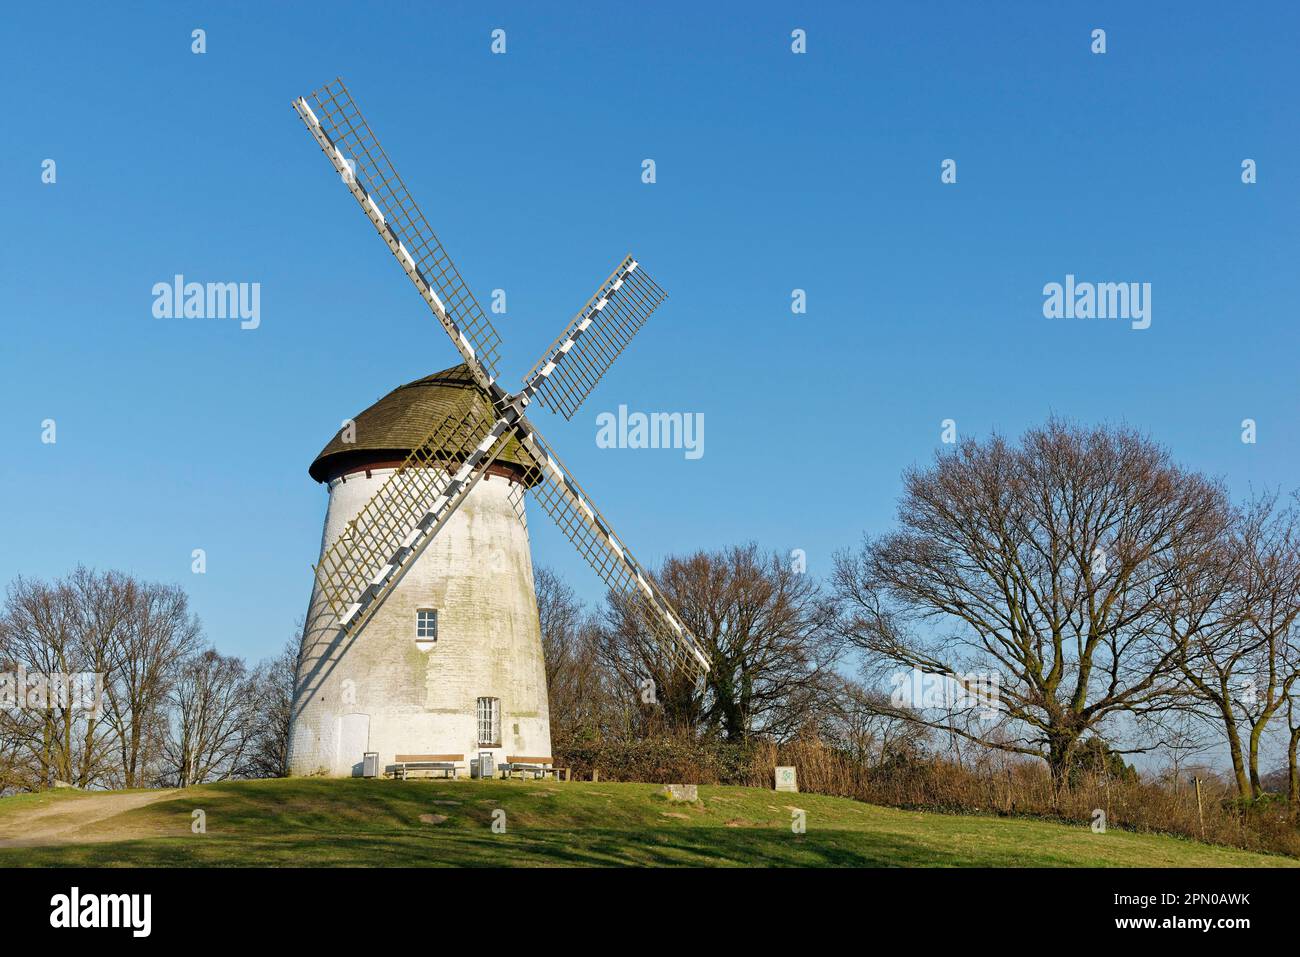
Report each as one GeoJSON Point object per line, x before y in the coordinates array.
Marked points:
{"type": "Point", "coordinates": [775, 171]}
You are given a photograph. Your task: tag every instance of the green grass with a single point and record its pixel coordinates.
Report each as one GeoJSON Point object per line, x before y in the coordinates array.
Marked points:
{"type": "Point", "coordinates": [315, 822]}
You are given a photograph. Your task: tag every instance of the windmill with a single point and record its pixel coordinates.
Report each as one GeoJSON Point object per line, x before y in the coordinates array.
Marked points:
{"type": "Point", "coordinates": [362, 683]}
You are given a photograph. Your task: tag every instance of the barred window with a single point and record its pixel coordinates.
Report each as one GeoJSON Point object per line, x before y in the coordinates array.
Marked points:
{"type": "Point", "coordinates": [426, 625]}
{"type": "Point", "coordinates": [489, 722]}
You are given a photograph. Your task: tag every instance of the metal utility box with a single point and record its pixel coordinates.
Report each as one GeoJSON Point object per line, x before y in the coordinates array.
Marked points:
{"type": "Point", "coordinates": [370, 764]}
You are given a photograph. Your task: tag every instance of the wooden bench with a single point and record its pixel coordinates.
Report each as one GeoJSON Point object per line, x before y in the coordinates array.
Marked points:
{"type": "Point", "coordinates": [538, 767]}
{"type": "Point", "coordinates": [448, 764]}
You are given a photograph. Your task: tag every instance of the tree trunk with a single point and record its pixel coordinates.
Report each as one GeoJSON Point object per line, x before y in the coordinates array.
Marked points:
{"type": "Point", "coordinates": [1292, 772]}
{"type": "Point", "coordinates": [1256, 786]}
{"type": "Point", "coordinates": [1234, 749]}
{"type": "Point", "coordinates": [1061, 744]}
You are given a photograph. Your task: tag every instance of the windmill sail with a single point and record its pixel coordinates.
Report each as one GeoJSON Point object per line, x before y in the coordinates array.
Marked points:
{"type": "Point", "coordinates": [366, 561]}
{"type": "Point", "coordinates": [595, 337]}
{"type": "Point", "coordinates": [563, 499]}
{"type": "Point", "coordinates": [345, 137]}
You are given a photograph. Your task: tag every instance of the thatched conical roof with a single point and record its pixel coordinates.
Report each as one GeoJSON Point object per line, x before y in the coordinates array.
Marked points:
{"type": "Point", "coordinates": [388, 430]}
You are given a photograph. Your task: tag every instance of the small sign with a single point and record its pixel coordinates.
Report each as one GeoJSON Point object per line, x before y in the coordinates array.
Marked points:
{"type": "Point", "coordinates": [785, 780]}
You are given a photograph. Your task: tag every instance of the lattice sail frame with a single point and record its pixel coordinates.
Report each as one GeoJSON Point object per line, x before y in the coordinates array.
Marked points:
{"type": "Point", "coordinates": [594, 338]}
{"type": "Point", "coordinates": [343, 134]}
{"type": "Point", "coordinates": [368, 558]}
{"type": "Point", "coordinates": [563, 499]}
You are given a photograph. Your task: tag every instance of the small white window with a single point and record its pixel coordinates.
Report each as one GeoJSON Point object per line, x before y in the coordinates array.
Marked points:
{"type": "Point", "coordinates": [426, 626]}
{"type": "Point", "coordinates": [489, 722]}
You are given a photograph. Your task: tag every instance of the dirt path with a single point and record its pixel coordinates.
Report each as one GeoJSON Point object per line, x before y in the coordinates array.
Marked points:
{"type": "Point", "coordinates": [61, 822]}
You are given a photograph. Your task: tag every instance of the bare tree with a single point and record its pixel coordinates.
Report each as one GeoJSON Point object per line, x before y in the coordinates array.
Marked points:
{"type": "Point", "coordinates": [102, 685]}
{"type": "Point", "coordinates": [1248, 601]}
{"type": "Point", "coordinates": [1272, 569]}
{"type": "Point", "coordinates": [271, 688]}
{"type": "Point", "coordinates": [157, 635]}
{"type": "Point", "coordinates": [1291, 659]}
{"type": "Point", "coordinates": [38, 639]}
{"type": "Point", "coordinates": [858, 720]}
{"type": "Point", "coordinates": [101, 610]}
{"type": "Point", "coordinates": [766, 627]}
{"type": "Point", "coordinates": [212, 722]}
{"type": "Point", "coordinates": [53, 647]}
{"type": "Point", "coordinates": [577, 687]}
{"type": "Point", "coordinates": [1048, 563]}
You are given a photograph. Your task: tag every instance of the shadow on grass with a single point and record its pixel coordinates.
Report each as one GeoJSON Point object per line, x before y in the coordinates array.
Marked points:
{"type": "Point", "coordinates": [356, 823]}
{"type": "Point", "coordinates": [590, 847]}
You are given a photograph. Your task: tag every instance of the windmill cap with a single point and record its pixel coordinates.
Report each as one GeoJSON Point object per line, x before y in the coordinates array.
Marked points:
{"type": "Point", "coordinates": [387, 431]}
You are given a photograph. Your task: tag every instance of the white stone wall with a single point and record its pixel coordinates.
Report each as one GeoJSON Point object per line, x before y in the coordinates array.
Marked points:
{"type": "Point", "coordinates": [378, 691]}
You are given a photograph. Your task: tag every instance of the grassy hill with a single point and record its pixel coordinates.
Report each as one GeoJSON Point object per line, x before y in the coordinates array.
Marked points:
{"type": "Point", "coordinates": [313, 822]}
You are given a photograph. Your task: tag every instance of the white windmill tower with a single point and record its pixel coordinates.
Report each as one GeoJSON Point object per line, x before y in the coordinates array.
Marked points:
{"type": "Point", "coordinates": [422, 636]}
